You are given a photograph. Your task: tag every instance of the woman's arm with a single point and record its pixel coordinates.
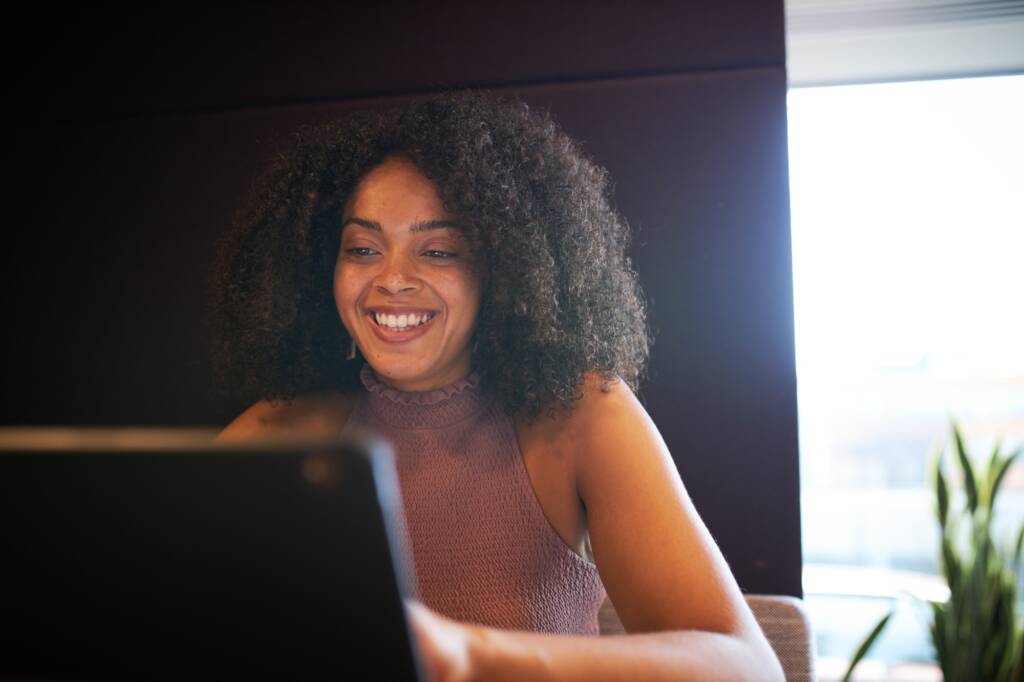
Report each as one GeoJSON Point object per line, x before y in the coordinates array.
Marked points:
{"type": "Point", "coordinates": [667, 579]}
{"type": "Point", "coordinates": [456, 652]}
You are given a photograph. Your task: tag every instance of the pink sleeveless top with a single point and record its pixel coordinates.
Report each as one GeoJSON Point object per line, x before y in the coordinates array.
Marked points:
{"type": "Point", "coordinates": [484, 552]}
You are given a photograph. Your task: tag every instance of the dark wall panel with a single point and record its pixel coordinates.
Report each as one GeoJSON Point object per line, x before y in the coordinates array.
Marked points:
{"type": "Point", "coordinates": [700, 170]}
{"type": "Point", "coordinates": [110, 328]}
{"type": "Point", "coordinates": [138, 60]}
{"type": "Point", "coordinates": [139, 133]}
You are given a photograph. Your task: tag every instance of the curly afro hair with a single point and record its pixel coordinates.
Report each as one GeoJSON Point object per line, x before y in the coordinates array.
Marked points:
{"type": "Point", "coordinates": [559, 296]}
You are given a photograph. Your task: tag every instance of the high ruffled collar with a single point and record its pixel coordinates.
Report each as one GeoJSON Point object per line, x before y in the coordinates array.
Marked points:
{"type": "Point", "coordinates": [437, 408]}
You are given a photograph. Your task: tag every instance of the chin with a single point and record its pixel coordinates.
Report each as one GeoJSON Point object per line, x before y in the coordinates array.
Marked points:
{"type": "Point", "coordinates": [416, 376]}
{"type": "Point", "coordinates": [399, 372]}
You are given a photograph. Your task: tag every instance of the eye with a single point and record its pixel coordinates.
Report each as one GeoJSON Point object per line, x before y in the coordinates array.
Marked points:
{"type": "Point", "coordinates": [439, 253]}
{"type": "Point", "coordinates": [361, 251]}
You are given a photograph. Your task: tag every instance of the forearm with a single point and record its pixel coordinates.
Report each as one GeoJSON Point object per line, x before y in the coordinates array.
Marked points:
{"type": "Point", "coordinates": [498, 655]}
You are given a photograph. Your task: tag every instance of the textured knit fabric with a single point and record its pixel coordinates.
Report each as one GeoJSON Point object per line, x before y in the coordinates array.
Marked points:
{"type": "Point", "coordinates": [483, 550]}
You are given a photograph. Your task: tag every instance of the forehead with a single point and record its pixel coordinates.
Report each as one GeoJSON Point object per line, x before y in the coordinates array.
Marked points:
{"type": "Point", "coordinates": [395, 188]}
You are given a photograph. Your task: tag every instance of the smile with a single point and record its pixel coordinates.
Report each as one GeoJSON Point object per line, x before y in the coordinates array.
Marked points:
{"type": "Point", "coordinates": [401, 322]}
{"type": "Point", "coordinates": [395, 326]}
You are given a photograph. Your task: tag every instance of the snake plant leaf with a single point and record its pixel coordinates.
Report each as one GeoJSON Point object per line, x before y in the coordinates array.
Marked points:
{"type": "Point", "coordinates": [941, 491]}
{"type": "Point", "coordinates": [970, 483]}
{"type": "Point", "coordinates": [938, 630]}
{"type": "Point", "coordinates": [977, 632]}
{"type": "Point", "coordinates": [1000, 643]}
{"type": "Point", "coordinates": [1005, 645]}
{"type": "Point", "coordinates": [1017, 552]}
{"type": "Point", "coordinates": [989, 486]}
{"type": "Point", "coordinates": [1017, 655]}
{"type": "Point", "coordinates": [997, 472]}
{"type": "Point", "coordinates": [991, 470]}
{"type": "Point", "coordinates": [950, 563]}
{"type": "Point", "coordinates": [866, 645]}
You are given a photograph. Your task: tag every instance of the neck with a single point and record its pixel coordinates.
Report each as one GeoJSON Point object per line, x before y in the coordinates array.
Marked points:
{"type": "Point", "coordinates": [434, 408]}
{"type": "Point", "coordinates": [422, 385]}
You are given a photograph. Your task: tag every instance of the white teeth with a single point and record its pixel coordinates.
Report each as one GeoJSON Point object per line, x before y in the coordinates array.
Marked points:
{"type": "Point", "coordinates": [401, 322]}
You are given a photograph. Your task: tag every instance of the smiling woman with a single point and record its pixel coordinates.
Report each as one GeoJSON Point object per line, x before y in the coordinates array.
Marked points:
{"type": "Point", "coordinates": [476, 264]}
{"type": "Point", "coordinates": [404, 283]}
{"type": "Point", "coordinates": [558, 298]}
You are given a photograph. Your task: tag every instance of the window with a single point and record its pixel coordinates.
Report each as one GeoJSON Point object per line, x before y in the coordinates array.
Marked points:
{"type": "Point", "coordinates": [908, 257]}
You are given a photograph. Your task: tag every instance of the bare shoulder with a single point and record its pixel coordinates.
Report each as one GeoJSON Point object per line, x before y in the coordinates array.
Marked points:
{"type": "Point", "coordinates": [606, 401]}
{"type": "Point", "coordinates": [606, 418]}
{"type": "Point", "coordinates": [606, 408]}
{"type": "Point", "coordinates": [316, 415]}
{"type": "Point", "coordinates": [615, 440]}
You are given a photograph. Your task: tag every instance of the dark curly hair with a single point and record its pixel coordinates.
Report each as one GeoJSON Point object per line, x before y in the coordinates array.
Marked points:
{"type": "Point", "coordinates": [559, 296]}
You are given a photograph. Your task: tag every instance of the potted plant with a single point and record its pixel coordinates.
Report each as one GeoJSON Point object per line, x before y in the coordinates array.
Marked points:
{"type": "Point", "coordinates": [978, 632]}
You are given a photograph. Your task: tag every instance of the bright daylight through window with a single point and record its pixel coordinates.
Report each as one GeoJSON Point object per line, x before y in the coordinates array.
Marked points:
{"type": "Point", "coordinates": [908, 260]}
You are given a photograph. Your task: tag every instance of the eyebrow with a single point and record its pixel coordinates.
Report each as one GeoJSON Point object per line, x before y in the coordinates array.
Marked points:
{"type": "Point", "coordinates": [421, 226]}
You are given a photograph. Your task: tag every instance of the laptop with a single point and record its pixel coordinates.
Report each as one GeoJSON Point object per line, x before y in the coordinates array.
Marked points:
{"type": "Point", "coordinates": [142, 554]}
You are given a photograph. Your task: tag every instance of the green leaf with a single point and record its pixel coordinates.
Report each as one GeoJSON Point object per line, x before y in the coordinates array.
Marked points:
{"type": "Point", "coordinates": [1018, 654]}
{"type": "Point", "coordinates": [978, 634]}
{"type": "Point", "coordinates": [998, 475]}
{"type": "Point", "coordinates": [973, 639]}
{"type": "Point", "coordinates": [987, 492]}
{"type": "Point", "coordinates": [938, 629]}
{"type": "Point", "coordinates": [866, 645]}
{"type": "Point", "coordinates": [970, 483]}
{"type": "Point", "coordinates": [1005, 645]}
{"type": "Point", "coordinates": [950, 563]}
{"type": "Point", "coordinates": [941, 491]}
{"type": "Point", "coordinates": [1017, 552]}
{"type": "Point", "coordinates": [995, 651]}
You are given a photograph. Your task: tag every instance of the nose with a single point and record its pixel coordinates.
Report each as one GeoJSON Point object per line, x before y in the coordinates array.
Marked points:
{"type": "Point", "coordinates": [396, 276]}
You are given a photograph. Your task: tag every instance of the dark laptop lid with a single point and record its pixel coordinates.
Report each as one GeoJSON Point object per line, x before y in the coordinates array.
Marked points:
{"type": "Point", "coordinates": [139, 554]}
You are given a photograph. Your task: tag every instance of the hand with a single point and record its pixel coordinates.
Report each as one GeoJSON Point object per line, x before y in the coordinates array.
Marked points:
{"type": "Point", "coordinates": [444, 645]}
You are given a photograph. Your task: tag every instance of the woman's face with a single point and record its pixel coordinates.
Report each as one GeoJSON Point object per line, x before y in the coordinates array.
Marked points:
{"type": "Point", "coordinates": [403, 283]}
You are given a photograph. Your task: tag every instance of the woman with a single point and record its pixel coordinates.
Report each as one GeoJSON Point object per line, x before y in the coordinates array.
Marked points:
{"type": "Point", "coordinates": [452, 276]}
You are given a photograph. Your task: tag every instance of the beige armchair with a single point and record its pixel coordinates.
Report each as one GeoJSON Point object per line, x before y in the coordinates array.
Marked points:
{"type": "Point", "coordinates": [783, 620]}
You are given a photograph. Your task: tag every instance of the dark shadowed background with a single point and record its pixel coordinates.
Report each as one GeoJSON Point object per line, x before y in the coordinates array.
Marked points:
{"type": "Point", "coordinates": [137, 132]}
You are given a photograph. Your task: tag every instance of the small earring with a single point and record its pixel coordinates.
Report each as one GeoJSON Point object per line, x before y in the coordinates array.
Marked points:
{"type": "Point", "coordinates": [351, 350]}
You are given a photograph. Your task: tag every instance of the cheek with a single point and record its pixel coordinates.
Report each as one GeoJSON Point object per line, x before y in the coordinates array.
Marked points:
{"type": "Point", "coordinates": [343, 277]}
{"type": "Point", "coordinates": [338, 285]}
{"type": "Point", "coordinates": [467, 292]}
{"type": "Point", "coordinates": [346, 292]}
